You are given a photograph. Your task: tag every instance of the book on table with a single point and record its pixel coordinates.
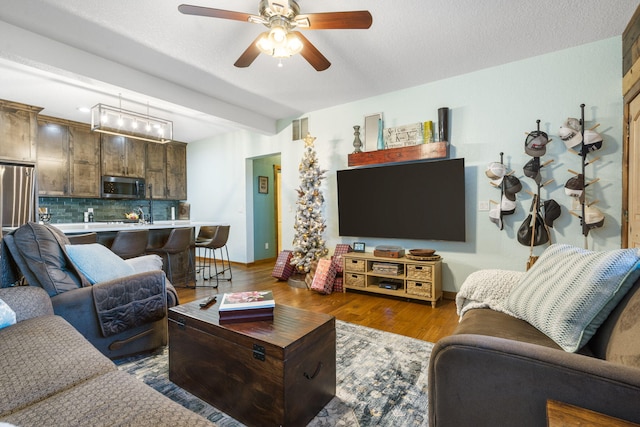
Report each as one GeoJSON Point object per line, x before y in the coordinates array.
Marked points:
{"type": "Point", "coordinates": [246, 306]}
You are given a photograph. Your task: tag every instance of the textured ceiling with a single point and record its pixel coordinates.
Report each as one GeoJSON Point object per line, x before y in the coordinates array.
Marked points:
{"type": "Point", "coordinates": [61, 54]}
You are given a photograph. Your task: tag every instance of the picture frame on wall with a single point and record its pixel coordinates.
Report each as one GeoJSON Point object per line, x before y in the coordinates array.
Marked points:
{"type": "Point", "coordinates": [263, 184]}
{"type": "Point", "coordinates": [371, 131]}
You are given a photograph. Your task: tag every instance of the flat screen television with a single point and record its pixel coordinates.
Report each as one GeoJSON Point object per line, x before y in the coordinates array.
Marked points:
{"type": "Point", "coordinates": [422, 200]}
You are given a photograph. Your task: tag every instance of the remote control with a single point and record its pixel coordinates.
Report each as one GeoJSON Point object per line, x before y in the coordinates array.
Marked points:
{"type": "Point", "coordinates": [206, 303]}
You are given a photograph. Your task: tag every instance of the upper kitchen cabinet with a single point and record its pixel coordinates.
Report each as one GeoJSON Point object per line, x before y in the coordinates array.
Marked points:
{"type": "Point", "coordinates": [176, 171]}
{"type": "Point", "coordinates": [167, 170]}
{"type": "Point", "coordinates": [157, 170]}
{"type": "Point", "coordinates": [53, 158]}
{"type": "Point", "coordinates": [84, 154]}
{"type": "Point", "coordinates": [68, 159]}
{"type": "Point", "coordinates": [122, 156]}
{"type": "Point", "coordinates": [18, 131]}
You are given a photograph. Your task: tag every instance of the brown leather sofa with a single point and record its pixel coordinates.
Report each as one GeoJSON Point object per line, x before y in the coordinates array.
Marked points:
{"type": "Point", "coordinates": [496, 370]}
{"type": "Point", "coordinates": [120, 317]}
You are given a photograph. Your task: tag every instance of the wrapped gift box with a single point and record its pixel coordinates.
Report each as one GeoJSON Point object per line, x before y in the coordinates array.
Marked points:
{"type": "Point", "coordinates": [283, 268]}
{"type": "Point", "coordinates": [341, 249]}
{"type": "Point", "coordinates": [338, 284]}
{"type": "Point", "coordinates": [324, 277]}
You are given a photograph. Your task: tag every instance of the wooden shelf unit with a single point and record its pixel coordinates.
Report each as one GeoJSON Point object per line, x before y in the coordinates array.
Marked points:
{"type": "Point", "coordinates": [420, 280]}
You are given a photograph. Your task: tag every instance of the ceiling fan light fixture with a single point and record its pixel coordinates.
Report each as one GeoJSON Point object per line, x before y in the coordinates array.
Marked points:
{"type": "Point", "coordinates": [294, 44]}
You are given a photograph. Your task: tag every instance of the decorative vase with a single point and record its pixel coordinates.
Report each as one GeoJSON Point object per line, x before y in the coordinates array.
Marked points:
{"type": "Point", "coordinates": [443, 124]}
{"type": "Point", "coordinates": [380, 138]}
{"type": "Point", "coordinates": [356, 139]}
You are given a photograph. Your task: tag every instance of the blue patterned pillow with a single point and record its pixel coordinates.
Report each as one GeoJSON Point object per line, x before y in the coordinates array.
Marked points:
{"type": "Point", "coordinates": [98, 263]}
{"type": "Point", "coordinates": [570, 291]}
{"type": "Point", "coordinates": [7, 315]}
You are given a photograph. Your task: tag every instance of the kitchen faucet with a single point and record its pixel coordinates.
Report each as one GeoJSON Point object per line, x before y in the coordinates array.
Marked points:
{"type": "Point", "coordinates": [150, 203]}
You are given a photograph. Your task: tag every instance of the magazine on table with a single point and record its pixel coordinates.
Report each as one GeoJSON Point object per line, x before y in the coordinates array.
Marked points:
{"type": "Point", "coordinates": [235, 301]}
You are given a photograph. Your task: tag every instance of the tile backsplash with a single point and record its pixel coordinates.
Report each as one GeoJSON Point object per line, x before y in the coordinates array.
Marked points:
{"type": "Point", "coordinates": [65, 209]}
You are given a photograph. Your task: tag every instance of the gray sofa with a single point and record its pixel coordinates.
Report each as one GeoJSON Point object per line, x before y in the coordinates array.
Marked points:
{"type": "Point", "coordinates": [499, 370]}
{"type": "Point", "coordinates": [53, 376]}
{"type": "Point", "coordinates": [120, 317]}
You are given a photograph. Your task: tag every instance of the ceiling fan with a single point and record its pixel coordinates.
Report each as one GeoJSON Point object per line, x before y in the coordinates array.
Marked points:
{"type": "Point", "coordinates": [280, 41]}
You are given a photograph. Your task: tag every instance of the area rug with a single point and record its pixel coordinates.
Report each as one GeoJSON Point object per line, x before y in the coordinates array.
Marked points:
{"type": "Point", "coordinates": [381, 380]}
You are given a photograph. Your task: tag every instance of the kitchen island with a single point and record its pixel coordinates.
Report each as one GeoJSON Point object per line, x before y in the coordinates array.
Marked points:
{"type": "Point", "coordinates": [158, 234]}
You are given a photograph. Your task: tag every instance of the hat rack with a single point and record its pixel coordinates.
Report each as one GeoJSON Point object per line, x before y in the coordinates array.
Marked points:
{"type": "Point", "coordinates": [538, 165]}
{"type": "Point", "coordinates": [583, 153]}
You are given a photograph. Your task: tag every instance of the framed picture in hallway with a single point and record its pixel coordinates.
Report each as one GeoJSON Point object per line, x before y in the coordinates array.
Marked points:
{"type": "Point", "coordinates": [263, 184]}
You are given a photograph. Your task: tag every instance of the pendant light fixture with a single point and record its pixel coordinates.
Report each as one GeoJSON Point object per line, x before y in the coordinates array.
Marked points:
{"type": "Point", "coordinates": [116, 121]}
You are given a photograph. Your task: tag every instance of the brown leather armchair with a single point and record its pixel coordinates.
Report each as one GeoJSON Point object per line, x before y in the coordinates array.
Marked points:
{"type": "Point", "coordinates": [120, 317]}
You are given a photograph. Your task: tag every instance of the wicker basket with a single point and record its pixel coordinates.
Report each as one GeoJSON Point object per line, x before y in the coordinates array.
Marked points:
{"type": "Point", "coordinates": [354, 265]}
{"type": "Point", "coordinates": [419, 288]}
{"type": "Point", "coordinates": [419, 272]}
{"type": "Point", "coordinates": [355, 280]}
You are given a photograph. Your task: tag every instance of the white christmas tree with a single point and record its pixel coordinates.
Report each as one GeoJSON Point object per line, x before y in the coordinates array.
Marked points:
{"type": "Point", "coordinates": [308, 245]}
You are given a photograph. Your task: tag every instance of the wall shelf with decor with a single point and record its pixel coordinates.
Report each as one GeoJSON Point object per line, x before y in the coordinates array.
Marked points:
{"type": "Point", "coordinates": [412, 278]}
{"type": "Point", "coordinates": [432, 150]}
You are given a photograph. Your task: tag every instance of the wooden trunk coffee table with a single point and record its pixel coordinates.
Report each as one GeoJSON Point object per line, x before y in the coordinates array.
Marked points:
{"type": "Point", "coordinates": [280, 372]}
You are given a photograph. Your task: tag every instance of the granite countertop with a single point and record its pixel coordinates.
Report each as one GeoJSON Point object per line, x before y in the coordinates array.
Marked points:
{"type": "Point", "coordinates": [88, 227]}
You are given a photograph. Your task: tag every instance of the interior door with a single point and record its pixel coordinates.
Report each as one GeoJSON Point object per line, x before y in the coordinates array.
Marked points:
{"type": "Point", "coordinates": [633, 237]}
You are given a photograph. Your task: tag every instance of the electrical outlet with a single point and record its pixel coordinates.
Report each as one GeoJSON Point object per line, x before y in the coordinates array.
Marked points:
{"type": "Point", "coordinates": [483, 206]}
{"type": "Point", "coordinates": [266, 245]}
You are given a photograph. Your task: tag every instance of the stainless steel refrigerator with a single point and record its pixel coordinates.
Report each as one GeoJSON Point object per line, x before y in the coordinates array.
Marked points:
{"type": "Point", "coordinates": [17, 194]}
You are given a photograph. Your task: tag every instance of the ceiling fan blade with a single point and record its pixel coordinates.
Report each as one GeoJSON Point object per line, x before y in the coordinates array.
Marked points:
{"type": "Point", "coordinates": [249, 55]}
{"type": "Point", "coordinates": [312, 54]}
{"type": "Point", "coordinates": [356, 20]}
{"type": "Point", "coordinates": [213, 13]}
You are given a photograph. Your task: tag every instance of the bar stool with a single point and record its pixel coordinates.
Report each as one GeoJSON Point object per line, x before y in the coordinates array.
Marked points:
{"type": "Point", "coordinates": [219, 241]}
{"type": "Point", "coordinates": [179, 241]}
{"type": "Point", "coordinates": [204, 237]}
{"type": "Point", "coordinates": [130, 243]}
{"type": "Point", "coordinates": [83, 239]}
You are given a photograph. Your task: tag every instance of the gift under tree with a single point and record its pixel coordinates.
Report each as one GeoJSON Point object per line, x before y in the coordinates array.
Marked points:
{"type": "Point", "coordinates": [308, 245]}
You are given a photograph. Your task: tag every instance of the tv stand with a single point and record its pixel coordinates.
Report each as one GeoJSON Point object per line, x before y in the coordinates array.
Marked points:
{"type": "Point", "coordinates": [400, 277]}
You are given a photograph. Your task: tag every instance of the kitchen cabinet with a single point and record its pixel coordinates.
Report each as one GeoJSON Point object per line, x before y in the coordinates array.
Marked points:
{"type": "Point", "coordinates": [122, 156]}
{"type": "Point", "coordinates": [18, 131]}
{"type": "Point", "coordinates": [166, 170]}
{"type": "Point", "coordinates": [84, 155]}
{"type": "Point", "coordinates": [68, 159]}
{"type": "Point", "coordinates": [176, 171]}
{"type": "Point", "coordinates": [53, 158]}
{"type": "Point", "coordinates": [157, 170]}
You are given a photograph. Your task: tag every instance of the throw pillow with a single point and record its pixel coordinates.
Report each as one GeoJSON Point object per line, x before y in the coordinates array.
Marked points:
{"type": "Point", "coordinates": [98, 263]}
{"type": "Point", "coordinates": [7, 315]}
{"type": "Point", "coordinates": [570, 291]}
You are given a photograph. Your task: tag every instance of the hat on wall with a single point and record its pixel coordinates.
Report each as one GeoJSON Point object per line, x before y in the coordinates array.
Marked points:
{"type": "Point", "coordinates": [570, 136]}
{"type": "Point", "coordinates": [508, 207]}
{"type": "Point", "coordinates": [593, 217]}
{"type": "Point", "coordinates": [535, 142]}
{"type": "Point", "coordinates": [496, 170]}
{"type": "Point", "coordinates": [532, 169]}
{"type": "Point", "coordinates": [572, 123]}
{"type": "Point", "coordinates": [574, 186]}
{"type": "Point", "coordinates": [511, 186]}
{"type": "Point", "coordinates": [495, 215]}
{"type": "Point", "coordinates": [592, 140]}
{"type": "Point", "coordinates": [552, 211]}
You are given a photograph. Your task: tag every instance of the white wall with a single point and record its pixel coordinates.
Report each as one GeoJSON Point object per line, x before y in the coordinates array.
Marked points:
{"type": "Point", "coordinates": [490, 112]}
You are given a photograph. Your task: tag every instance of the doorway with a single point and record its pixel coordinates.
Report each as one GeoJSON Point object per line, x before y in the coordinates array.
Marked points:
{"type": "Point", "coordinates": [633, 180]}
{"type": "Point", "coordinates": [265, 199]}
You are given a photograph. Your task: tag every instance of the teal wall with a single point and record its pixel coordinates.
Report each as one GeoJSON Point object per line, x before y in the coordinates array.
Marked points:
{"type": "Point", "coordinates": [491, 110]}
{"type": "Point", "coordinates": [264, 209]}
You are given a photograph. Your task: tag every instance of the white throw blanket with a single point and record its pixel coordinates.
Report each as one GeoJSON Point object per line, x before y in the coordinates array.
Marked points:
{"type": "Point", "coordinates": [487, 289]}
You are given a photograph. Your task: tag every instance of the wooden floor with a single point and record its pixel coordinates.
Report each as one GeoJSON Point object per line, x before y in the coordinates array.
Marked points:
{"type": "Point", "coordinates": [410, 318]}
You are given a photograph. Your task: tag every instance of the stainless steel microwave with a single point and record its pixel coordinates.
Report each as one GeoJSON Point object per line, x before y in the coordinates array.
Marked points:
{"type": "Point", "coordinates": [122, 187]}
